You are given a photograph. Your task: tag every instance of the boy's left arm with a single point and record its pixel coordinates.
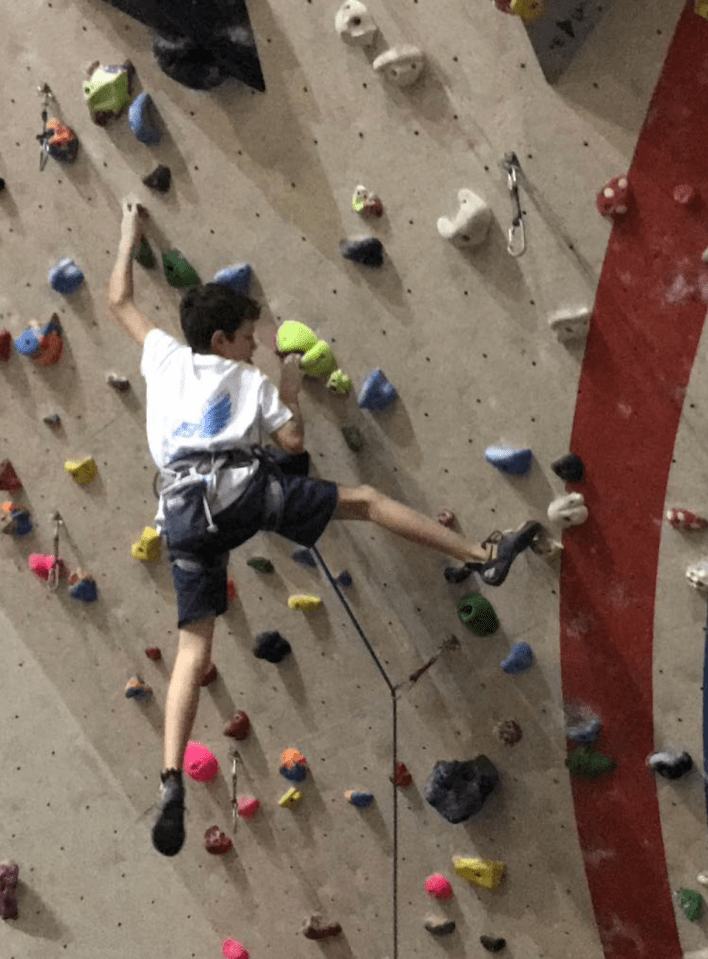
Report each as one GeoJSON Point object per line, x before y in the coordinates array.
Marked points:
{"type": "Point", "coordinates": [120, 288]}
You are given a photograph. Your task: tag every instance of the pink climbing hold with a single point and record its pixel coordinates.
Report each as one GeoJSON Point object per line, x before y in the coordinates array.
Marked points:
{"type": "Point", "coordinates": [438, 887]}
{"type": "Point", "coordinates": [248, 806]}
{"type": "Point", "coordinates": [42, 563]}
{"type": "Point", "coordinates": [233, 949]}
{"type": "Point", "coordinates": [199, 762]}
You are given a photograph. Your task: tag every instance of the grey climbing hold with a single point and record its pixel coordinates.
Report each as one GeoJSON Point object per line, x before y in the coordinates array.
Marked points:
{"type": "Point", "coordinates": [458, 790]}
{"type": "Point", "coordinates": [368, 251]}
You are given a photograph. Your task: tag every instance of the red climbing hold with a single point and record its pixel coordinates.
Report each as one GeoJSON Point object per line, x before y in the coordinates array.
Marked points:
{"type": "Point", "coordinates": [216, 842]}
{"type": "Point", "coordinates": [401, 776]}
{"type": "Point", "coordinates": [210, 675]}
{"type": "Point", "coordinates": [231, 589]}
{"type": "Point", "coordinates": [685, 194]}
{"type": "Point", "coordinates": [9, 480]}
{"type": "Point", "coordinates": [613, 199]}
{"type": "Point", "coordinates": [9, 872]}
{"type": "Point", "coordinates": [685, 520]}
{"type": "Point", "coordinates": [154, 653]}
{"type": "Point", "coordinates": [5, 345]}
{"type": "Point", "coordinates": [238, 726]}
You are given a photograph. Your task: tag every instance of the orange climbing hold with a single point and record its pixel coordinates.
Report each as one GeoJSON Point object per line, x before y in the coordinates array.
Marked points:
{"type": "Point", "coordinates": [293, 757]}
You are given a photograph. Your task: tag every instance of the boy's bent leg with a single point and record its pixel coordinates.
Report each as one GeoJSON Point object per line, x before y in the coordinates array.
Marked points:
{"type": "Point", "coordinates": [493, 562]}
{"type": "Point", "coordinates": [193, 658]}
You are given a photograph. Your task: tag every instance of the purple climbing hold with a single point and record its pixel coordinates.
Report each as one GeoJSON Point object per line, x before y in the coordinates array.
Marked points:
{"type": "Point", "coordinates": [377, 392]}
{"type": "Point", "coordinates": [369, 251]}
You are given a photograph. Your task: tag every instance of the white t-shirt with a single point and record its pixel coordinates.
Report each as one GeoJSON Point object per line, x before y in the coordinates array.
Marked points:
{"type": "Point", "coordinates": [201, 402]}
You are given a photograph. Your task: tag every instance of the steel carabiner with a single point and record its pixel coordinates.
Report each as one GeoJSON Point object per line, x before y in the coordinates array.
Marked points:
{"type": "Point", "coordinates": [516, 241]}
{"type": "Point", "coordinates": [53, 577]}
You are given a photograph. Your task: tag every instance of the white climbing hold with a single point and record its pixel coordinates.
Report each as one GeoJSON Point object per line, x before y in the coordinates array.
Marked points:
{"type": "Point", "coordinates": [697, 575]}
{"type": "Point", "coordinates": [569, 325]}
{"type": "Point", "coordinates": [355, 25]}
{"type": "Point", "coordinates": [470, 225]}
{"type": "Point", "coordinates": [702, 877]}
{"type": "Point", "coordinates": [400, 65]}
{"type": "Point", "coordinates": [568, 510]}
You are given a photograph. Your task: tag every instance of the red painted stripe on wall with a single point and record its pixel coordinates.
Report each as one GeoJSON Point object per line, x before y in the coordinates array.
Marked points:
{"type": "Point", "coordinates": [648, 317]}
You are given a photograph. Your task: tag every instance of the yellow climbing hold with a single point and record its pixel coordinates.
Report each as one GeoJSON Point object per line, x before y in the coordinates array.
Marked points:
{"type": "Point", "coordinates": [527, 9]}
{"type": "Point", "coordinates": [701, 8]}
{"type": "Point", "coordinates": [481, 872]}
{"type": "Point", "coordinates": [304, 602]}
{"type": "Point", "coordinates": [148, 549]}
{"type": "Point", "coordinates": [83, 471]}
{"type": "Point", "coordinates": [291, 797]}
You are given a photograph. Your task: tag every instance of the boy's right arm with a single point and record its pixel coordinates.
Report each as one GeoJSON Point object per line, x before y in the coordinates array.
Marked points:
{"type": "Point", "coordinates": [291, 436]}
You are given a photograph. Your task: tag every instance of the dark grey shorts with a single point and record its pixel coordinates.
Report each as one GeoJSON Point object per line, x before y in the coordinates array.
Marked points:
{"type": "Point", "coordinates": [199, 558]}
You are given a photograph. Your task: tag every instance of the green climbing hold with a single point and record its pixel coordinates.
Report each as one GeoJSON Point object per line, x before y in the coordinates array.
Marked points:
{"type": "Point", "coordinates": [352, 437]}
{"type": "Point", "coordinates": [589, 763]}
{"type": "Point", "coordinates": [477, 614]}
{"type": "Point", "coordinates": [691, 903]}
{"type": "Point", "coordinates": [262, 564]}
{"type": "Point", "coordinates": [178, 271]}
{"type": "Point", "coordinates": [145, 256]}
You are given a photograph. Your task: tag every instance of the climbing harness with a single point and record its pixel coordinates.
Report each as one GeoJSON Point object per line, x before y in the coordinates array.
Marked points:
{"type": "Point", "coordinates": [516, 244]}
{"type": "Point", "coordinates": [46, 134]}
{"type": "Point", "coordinates": [53, 577]}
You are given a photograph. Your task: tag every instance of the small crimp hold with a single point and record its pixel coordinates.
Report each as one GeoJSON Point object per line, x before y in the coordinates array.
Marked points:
{"type": "Point", "coordinates": [236, 277]}
{"type": "Point", "coordinates": [154, 653]}
{"type": "Point", "coordinates": [685, 195]}
{"type": "Point", "coordinates": [359, 799]}
{"type": "Point", "coordinates": [439, 927]}
{"type": "Point", "coordinates": [238, 726]}
{"type": "Point", "coordinates": [5, 345]}
{"type": "Point", "coordinates": [260, 563]}
{"type": "Point", "coordinates": [147, 549]}
{"type": "Point", "coordinates": [377, 392]}
{"type": "Point", "coordinates": [9, 875]}
{"type": "Point", "coordinates": [135, 688]}
{"type": "Point", "coordinates": [15, 519]}
{"type": "Point", "coordinates": [352, 437]}
{"type": "Point", "coordinates": [304, 602]}
{"type": "Point", "coordinates": [53, 420]}
{"type": "Point", "coordinates": [570, 325]}
{"type": "Point", "coordinates": [613, 200]}
{"type": "Point", "coordinates": [401, 777]}
{"type": "Point", "coordinates": [120, 384]}
{"type": "Point", "coordinates": [316, 928]}
{"type": "Point", "coordinates": [509, 731]}
{"type": "Point", "coordinates": [217, 842]}
{"type": "Point", "coordinates": [248, 806]}
{"type": "Point", "coordinates": [511, 461]}
{"type": "Point", "coordinates": [271, 646]}
{"type": "Point", "coordinates": [485, 873]}
{"type": "Point", "coordinates": [519, 659]}
{"type": "Point", "coordinates": [83, 471]}
{"type": "Point", "coordinates": [683, 519]}
{"type": "Point", "coordinates": [289, 798]}
{"type": "Point", "coordinates": [83, 587]}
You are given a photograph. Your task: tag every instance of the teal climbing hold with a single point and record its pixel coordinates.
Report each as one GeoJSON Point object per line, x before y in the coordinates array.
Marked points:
{"type": "Point", "coordinates": [178, 271]}
{"type": "Point", "coordinates": [511, 461]}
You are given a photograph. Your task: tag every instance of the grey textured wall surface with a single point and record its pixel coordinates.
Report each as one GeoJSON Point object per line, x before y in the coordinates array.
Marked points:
{"type": "Point", "coordinates": [268, 178]}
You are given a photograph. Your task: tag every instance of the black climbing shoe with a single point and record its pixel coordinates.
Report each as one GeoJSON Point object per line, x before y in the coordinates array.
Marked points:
{"type": "Point", "coordinates": [504, 548]}
{"type": "Point", "coordinates": [168, 831]}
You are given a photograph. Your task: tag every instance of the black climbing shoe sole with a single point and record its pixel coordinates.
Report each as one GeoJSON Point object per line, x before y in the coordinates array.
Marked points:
{"type": "Point", "coordinates": [168, 832]}
{"type": "Point", "coordinates": [496, 570]}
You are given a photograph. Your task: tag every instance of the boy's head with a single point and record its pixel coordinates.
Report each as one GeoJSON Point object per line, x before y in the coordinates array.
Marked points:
{"type": "Point", "coordinates": [215, 319]}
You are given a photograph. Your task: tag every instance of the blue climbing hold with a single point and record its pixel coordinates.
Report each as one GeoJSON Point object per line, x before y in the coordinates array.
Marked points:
{"type": "Point", "coordinates": [29, 342]}
{"type": "Point", "coordinates": [368, 251]}
{"type": "Point", "coordinates": [85, 590]}
{"type": "Point", "coordinates": [508, 460]}
{"type": "Point", "coordinates": [141, 120]}
{"type": "Point", "coordinates": [296, 774]}
{"type": "Point", "coordinates": [304, 557]}
{"type": "Point", "coordinates": [65, 277]}
{"type": "Point", "coordinates": [519, 659]}
{"type": "Point", "coordinates": [377, 392]}
{"type": "Point", "coordinates": [237, 278]}
{"type": "Point", "coordinates": [344, 578]}
{"type": "Point", "coordinates": [359, 799]}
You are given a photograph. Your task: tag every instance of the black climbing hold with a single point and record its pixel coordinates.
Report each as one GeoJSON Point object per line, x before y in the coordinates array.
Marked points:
{"type": "Point", "coordinates": [2, 184]}
{"type": "Point", "coordinates": [491, 944]}
{"type": "Point", "coordinates": [271, 647]}
{"type": "Point", "coordinates": [670, 765]}
{"type": "Point", "coordinates": [187, 62]}
{"type": "Point", "coordinates": [458, 790]}
{"type": "Point", "coordinates": [368, 251]}
{"type": "Point", "coordinates": [159, 179]}
{"type": "Point", "coordinates": [440, 927]}
{"type": "Point", "coordinates": [569, 468]}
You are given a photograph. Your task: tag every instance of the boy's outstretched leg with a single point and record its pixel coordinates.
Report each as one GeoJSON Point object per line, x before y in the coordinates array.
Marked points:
{"type": "Point", "coordinates": [193, 659]}
{"type": "Point", "coordinates": [492, 559]}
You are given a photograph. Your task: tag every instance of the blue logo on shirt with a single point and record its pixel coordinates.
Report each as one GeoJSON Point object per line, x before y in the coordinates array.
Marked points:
{"type": "Point", "coordinates": [215, 418]}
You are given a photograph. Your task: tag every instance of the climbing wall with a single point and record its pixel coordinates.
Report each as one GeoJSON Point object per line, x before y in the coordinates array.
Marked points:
{"type": "Point", "coordinates": [267, 178]}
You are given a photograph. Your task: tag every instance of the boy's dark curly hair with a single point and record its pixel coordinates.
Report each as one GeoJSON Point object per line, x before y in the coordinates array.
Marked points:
{"type": "Point", "coordinates": [210, 307]}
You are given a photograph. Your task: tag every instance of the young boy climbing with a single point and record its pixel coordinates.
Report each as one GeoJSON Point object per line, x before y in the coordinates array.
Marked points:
{"type": "Point", "coordinates": [208, 412]}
